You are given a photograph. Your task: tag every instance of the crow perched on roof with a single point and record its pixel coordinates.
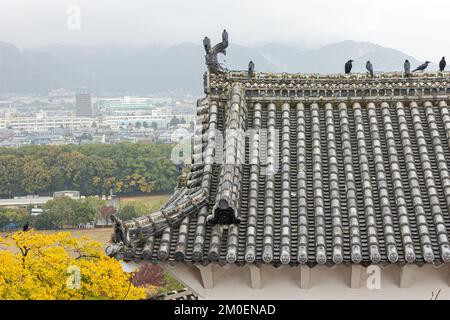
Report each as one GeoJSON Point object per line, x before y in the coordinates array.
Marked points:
{"type": "Point", "coordinates": [207, 44]}
{"type": "Point", "coordinates": [422, 66]}
{"type": "Point", "coordinates": [26, 227]}
{"type": "Point", "coordinates": [407, 67]}
{"type": "Point", "coordinates": [251, 68]}
{"type": "Point", "coordinates": [348, 66]}
{"type": "Point", "coordinates": [442, 64]}
{"type": "Point", "coordinates": [225, 35]}
{"type": "Point", "coordinates": [369, 68]}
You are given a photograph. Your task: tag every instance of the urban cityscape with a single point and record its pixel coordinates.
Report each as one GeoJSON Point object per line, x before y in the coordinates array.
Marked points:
{"type": "Point", "coordinates": [79, 117]}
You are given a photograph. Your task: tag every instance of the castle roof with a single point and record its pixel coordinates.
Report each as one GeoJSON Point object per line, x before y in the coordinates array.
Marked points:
{"type": "Point", "coordinates": [309, 169]}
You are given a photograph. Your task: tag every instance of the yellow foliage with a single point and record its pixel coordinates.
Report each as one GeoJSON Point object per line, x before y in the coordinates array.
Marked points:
{"type": "Point", "coordinates": [56, 266]}
{"type": "Point", "coordinates": [151, 290]}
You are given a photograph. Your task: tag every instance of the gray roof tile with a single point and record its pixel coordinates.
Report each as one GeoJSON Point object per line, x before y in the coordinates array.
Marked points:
{"type": "Point", "coordinates": [344, 178]}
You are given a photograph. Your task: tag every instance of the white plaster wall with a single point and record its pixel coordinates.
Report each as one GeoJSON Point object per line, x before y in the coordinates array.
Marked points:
{"type": "Point", "coordinates": [234, 283]}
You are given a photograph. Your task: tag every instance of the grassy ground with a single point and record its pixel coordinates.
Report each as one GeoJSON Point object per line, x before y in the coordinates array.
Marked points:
{"type": "Point", "coordinates": [148, 199]}
{"type": "Point", "coordinates": [172, 284]}
{"type": "Point", "coordinates": [102, 235]}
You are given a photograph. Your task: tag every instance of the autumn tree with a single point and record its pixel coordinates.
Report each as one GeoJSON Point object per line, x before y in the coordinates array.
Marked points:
{"type": "Point", "coordinates": [38, 266]}
{"type": "Point", "coordinates": [123, 168]}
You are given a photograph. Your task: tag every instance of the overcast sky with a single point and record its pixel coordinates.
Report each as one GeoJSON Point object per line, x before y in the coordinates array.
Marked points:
{"type": "Point", "coordinates": [417, 27]}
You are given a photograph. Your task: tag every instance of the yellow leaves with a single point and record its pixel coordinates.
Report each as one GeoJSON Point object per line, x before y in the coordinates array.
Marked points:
{"type": "Point", "coordinates": [58, 266]}
{"type": "Point", "coordinates": [142, 183]}
{"type": "Point", "coordinates": [33, 239]}
{"type": "Point", "coordinates": [96, 180]}
{"type": "Point", "coordinates": [151, 290]}
{"type": "Point", "coordinates": [111, 282]}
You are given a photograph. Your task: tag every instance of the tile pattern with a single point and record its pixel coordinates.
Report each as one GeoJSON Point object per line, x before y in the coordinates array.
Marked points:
{"type": "Point", "coordinates": [310, 182]}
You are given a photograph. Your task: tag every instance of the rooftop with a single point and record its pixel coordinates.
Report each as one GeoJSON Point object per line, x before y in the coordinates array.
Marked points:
{"type": "Point", "coordinates": [293, 169]}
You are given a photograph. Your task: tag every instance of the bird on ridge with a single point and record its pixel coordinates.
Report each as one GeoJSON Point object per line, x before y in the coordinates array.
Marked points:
{"type": "Point", "coordinates": [348, 66]}
{"type": "Point", "coordinates": [369, 68]}
{"type": "Point", "coordinates": [422, 67]}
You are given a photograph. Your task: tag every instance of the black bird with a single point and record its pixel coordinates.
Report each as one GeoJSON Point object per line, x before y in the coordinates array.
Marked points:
{"type": "Point", "coordinates": [422, 66]}
{"type": "Point", "coordinates": [180, 166]}
{"type": "Point", "coordinates": [225, 36]}
{"type": "Point", "coordinates": [407, 67]}
{"type": "Point", "coordinates": [369, 68]}
{"type": "Point", "coordinates": [442, 64]}
{"type": "Point", "coordinates": [348, 66]}
{"type": "Point", "coordinates": [251, 68]}
{"type": "Point", "coordinates": [207, 44]}
{"type": "Point", "coordinates": [26, 227]}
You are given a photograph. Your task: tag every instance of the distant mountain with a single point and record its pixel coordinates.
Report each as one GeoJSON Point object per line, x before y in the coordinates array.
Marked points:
{"type": "Point", "coordinates": [25, 71]}
{"type": "Point", "coordinates": [331, 58]}
{"type": "Point", "coordinates": [284, 57]}
{"type": "Point", "coordinates": [152, 69]}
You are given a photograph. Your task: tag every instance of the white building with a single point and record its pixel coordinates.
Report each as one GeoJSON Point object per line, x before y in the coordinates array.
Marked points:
{"type": "Point", "coordinates": [42, 122]}
{"type": "Point", "coordinates": [160, 116]}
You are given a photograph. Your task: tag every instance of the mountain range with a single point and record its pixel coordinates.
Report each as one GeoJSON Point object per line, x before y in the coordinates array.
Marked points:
{"type": "Point", "coordinates": [154, 69]}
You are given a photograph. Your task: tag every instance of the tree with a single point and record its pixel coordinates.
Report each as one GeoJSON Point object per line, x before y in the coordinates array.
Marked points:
{"type": "Point", "coordinates": [106, 212]}
{"type": "Point", "coordinates": [83, 214]}
{"type": "Point", "coordinates": [128, 212]}
{"type": "Point", "coordinates": [13, 217]}
{"type": "Point", "coordinates": [90, 169]}
{"type": "Point", "coordinates": [145, 124]}
{"type": "Point", "coordinates": [36, 175]}
{"type": "Point", "coordinates": [154, 125]}
{"type": "Point", "coordinates": [137, 125]}
{"type": "Point", "coordinates": [60, 212]}
{"type": "Point", "coordinates": [96, 204]}
{"type": "Point", "coordinates": [11, 169]}
{"type": "Point", "coordinates": [67, 212]}
{"type": "Point", "coordinates": [40, 266]}
{"type": "Point", "coordinates": [150, 277]}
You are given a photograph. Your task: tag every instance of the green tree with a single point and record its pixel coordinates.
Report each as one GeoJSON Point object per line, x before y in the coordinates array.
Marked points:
{"type": "Point", "coordinates": [83, 213]}
{"type": "Point", "coordinates": [36, 175]}
{"type": "Point", "coordinates": [96, 204]}
{"type": "Point", "coordinates": [13, 216]}
{"type": "Point", "coordinates": [11, 170]}
{"type": "Point", "coordinates": [128, 212]}
{"type": "Point", "coordinates": [91, 169]}
{"type": "Point", "coordinates": [60, 212]}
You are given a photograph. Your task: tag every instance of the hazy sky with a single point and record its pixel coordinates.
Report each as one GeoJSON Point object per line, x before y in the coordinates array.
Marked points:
{"type": "Point", "coordinates": [417, 27]}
